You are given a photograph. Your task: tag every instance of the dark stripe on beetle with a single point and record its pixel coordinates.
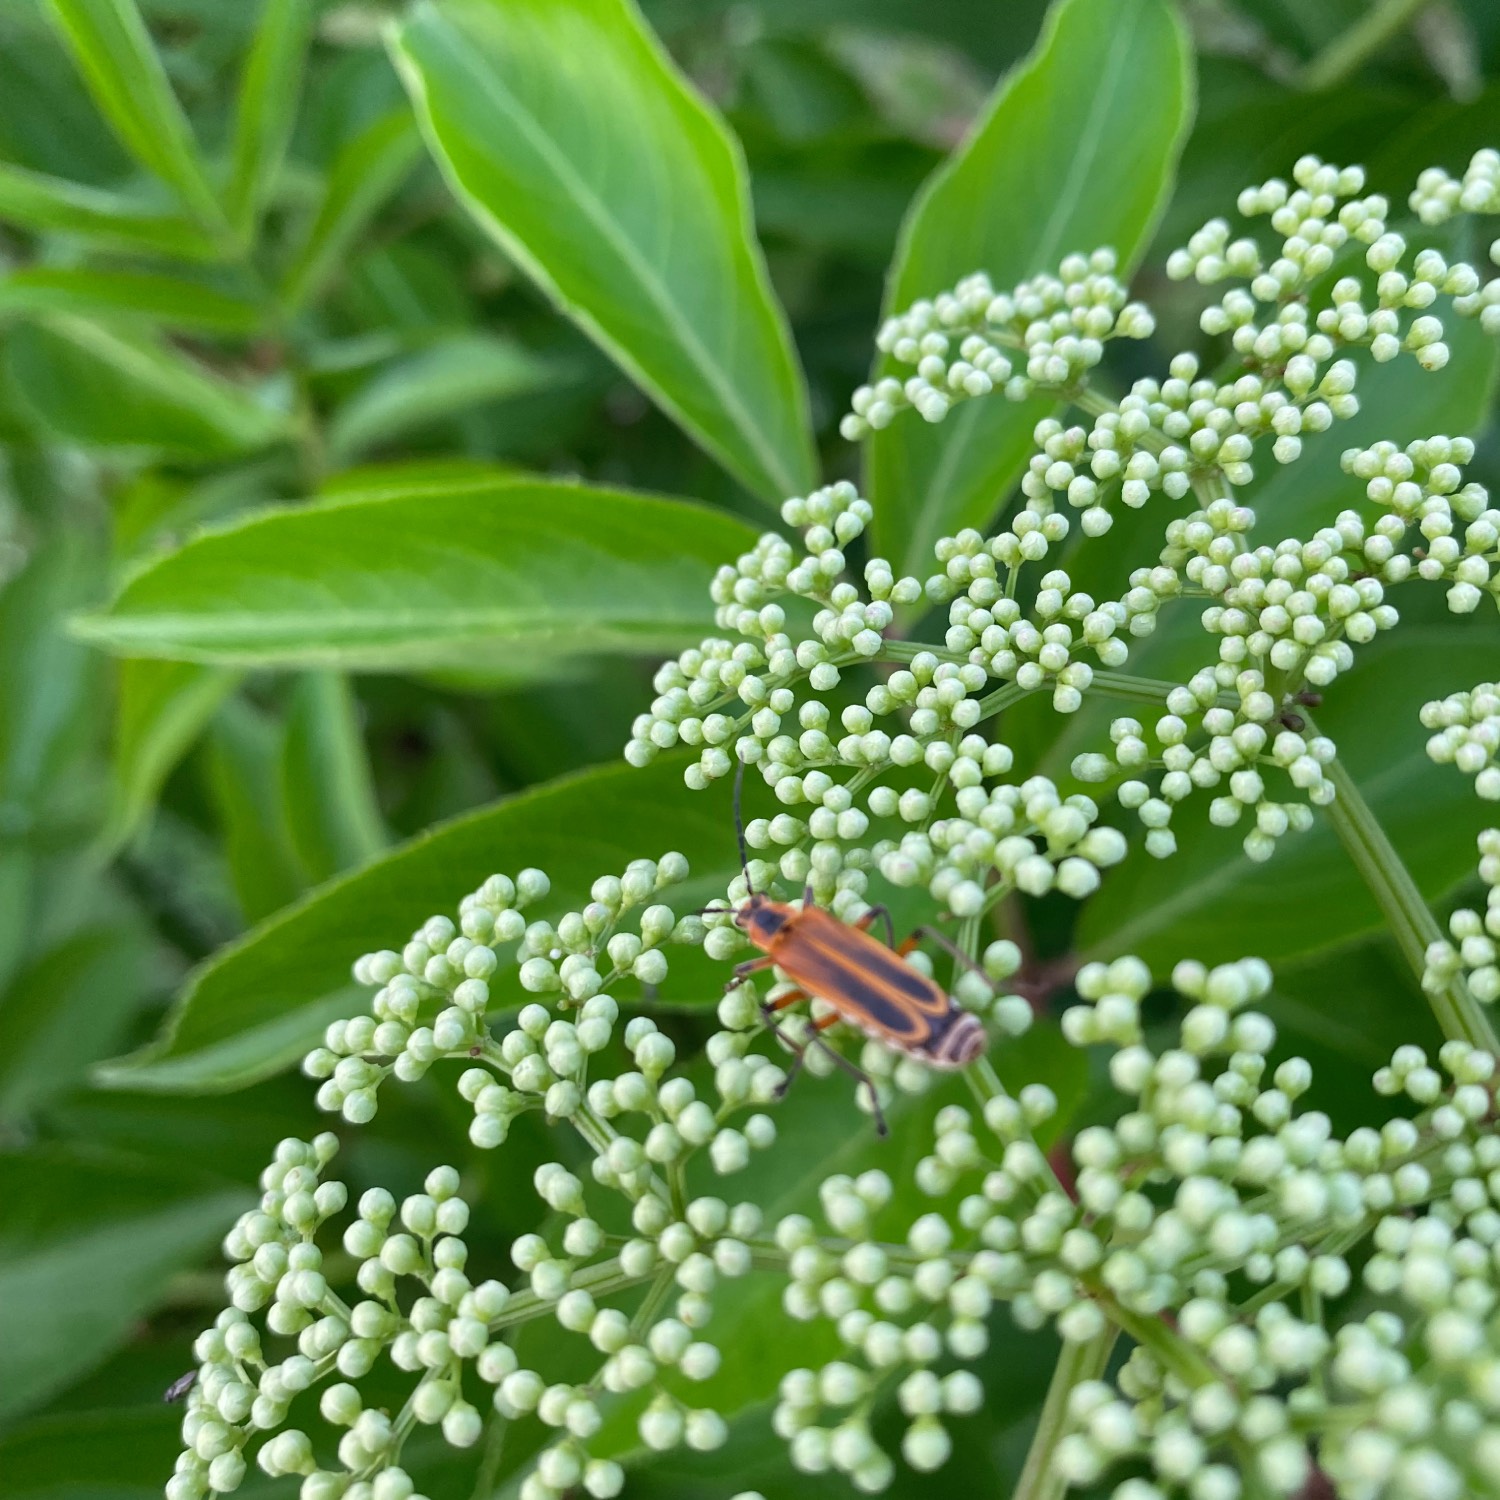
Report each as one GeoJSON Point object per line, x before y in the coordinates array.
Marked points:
{"type": "Point", "coordinates": [861, 954]}
{"type": "Point", "coordinates": [849, 991]}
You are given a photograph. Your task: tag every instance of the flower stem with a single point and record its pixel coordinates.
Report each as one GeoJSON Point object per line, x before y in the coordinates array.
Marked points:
{"type": "Point", "coordinates": [1412, 923]}
{"type": "Point", "coordinates": [1075, 1363]}
{"type": "Point", "coordinates": [1348, 51]}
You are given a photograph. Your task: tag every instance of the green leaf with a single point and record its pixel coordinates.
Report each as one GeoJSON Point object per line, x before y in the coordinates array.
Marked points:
{"type": "Point", "coordinates": [1076, 151]}
{"type": "Point", "coordinates": [457, 578]}
{"type": "Point", "coordinates": [161, 708]}
{"type": "Point", "coordinates": [47, 693]}
{"type": "Point", "coordinates": [116, 389]}
{"type": "Point", "coordinates": [48, 122]}
{"type": "Point", "coordinates": [100, 1454]}
{"type": "Point", "coordinates": [36, 201]}
{"type": "Point", "coordinates": [450, 377]}
{"type": "Point", "coordinates": [45, 680]}
{"type": "Point", "coordinates": [88, 1244]}
{"type": "Point", "coordinates": [1346, 1010]}
{"type": "Point", "coordinates": [413, 476]}
{"type": "Point", "coordinates": [259, 1003]}
{"type": "Point", "coordinates": [367, 171]}
{"type": "Point", "coordinates": [165, 301]}
{"type": "Point", "coordinates": [244, 766]}
{"type": "Point", "coordinates": [17, 888]}
{"type": "Point", "coordinates": [232, 1131]}
{"type": "Point", "coordinates": [65, 1011]}
{"type": "Point", "coordinates": [332, 814]}
{"type": "Point", "coordinates": [270, 88]}
{"type": "Point", "coordinates": [565, 130]}
{"type": "Point", "coordinates": [1209, 901]}
{"type": "Point", "coordinates": [115, 55]}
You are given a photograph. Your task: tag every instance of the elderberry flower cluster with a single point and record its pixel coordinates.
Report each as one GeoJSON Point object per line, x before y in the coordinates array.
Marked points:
{"type": "Point", "coordinates": [1288, 331]}
{"type": "Point", "coordinates": [1053, 327]}
{"type": "Point", "coordinates": [1218, 1199]}
{"type": "Point", "coordinates": [1468, 734]}
{"type": "Point", "coordinates": [416, 1303]}
{"type": "Point", "coordinates": [433, 996]}
{"type": "Point", "coordinates": [1423, 487]}
{"type": "Point", "coordinates": [1303, 1307]}
{"type": "Point", "coordinates": [1288, 617]}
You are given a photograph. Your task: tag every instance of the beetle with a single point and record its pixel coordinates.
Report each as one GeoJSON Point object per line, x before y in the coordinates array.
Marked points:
{"type": "Point", "coordinates": [867, 982]}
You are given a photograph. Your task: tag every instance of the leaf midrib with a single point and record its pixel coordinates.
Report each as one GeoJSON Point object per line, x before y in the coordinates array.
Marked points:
{"type": "Point", "coordinates": [1046, 252]}
{"type": "Point", "coordinates": [369, 625]}
{"type": "Point", "coordinates": [654, 291]}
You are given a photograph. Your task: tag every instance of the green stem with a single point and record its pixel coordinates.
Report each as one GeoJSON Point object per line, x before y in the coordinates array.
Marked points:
{"type": "Point", "coordinates": [486, 1479]}
{"type": "Point", "coordinates": [908, 651]}
{"type": "Point", "coordinates": [1144, 689]}
{"type": "Point", "coordinates": [1075, 1364]}
{"type": "Point", "coordinates": [601, 1280]}
{"type": "Point", "coordinates": [1002, 698]}
{"type": "Point", "coordinates": [1412, 923]}
{"type": "Point", "coordinates": [1351, 49]}
{"type": "Point", "coordinates": [1094, 402]}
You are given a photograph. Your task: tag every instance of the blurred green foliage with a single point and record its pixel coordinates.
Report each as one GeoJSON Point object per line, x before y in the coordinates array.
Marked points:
{"type": "Point", "coordinates": [232, 277]}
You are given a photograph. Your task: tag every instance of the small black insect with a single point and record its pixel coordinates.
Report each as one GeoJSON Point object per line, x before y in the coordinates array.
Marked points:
{"type": "Point", "coordinates": [180, 1387]}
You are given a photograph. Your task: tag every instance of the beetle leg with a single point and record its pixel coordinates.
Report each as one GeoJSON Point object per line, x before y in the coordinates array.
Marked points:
{"type": "Point", "coordinates": [750, 966]}
{"type": "Point", "coordinates": [815, 1038]}
{"type": "Point", "coordinates": [880, 914]}
{"type": "Point", "coordinates": [856, 1072]}
{"type": "Point", "coordinates": [947, 942]}
{"type": "Point", "coordinates": [797, 1048]}
{"type": "Point", "coordinates": [790, 998]}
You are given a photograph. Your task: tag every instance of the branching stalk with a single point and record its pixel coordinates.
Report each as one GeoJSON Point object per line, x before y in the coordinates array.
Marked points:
{"type": "Point", "coordinates": [1351, 49]}
{"type": "Point", "coordinates": [1412, 923]}
{"type": "Point", "coordinates": [1075, 1363]}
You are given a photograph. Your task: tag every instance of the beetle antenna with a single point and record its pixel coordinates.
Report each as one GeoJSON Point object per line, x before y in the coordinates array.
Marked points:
{"type": "Point", "coordinates": [739, 825]}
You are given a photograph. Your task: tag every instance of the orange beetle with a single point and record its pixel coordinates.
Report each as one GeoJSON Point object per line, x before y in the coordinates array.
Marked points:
{"type": "Point", "coordinates": [865, 981]}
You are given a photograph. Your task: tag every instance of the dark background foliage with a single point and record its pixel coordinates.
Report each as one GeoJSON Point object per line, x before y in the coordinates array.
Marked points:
{"type": "Point", "coordinates": [153, 811]}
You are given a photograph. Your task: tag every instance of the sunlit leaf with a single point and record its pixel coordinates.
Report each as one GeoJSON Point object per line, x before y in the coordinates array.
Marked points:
{"type": "Point", "coordinates": [114, 52]}
{"type": "Point", "coordinates": [430, 579]}
{"type": "Point", "coordinates": [572, 139]}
